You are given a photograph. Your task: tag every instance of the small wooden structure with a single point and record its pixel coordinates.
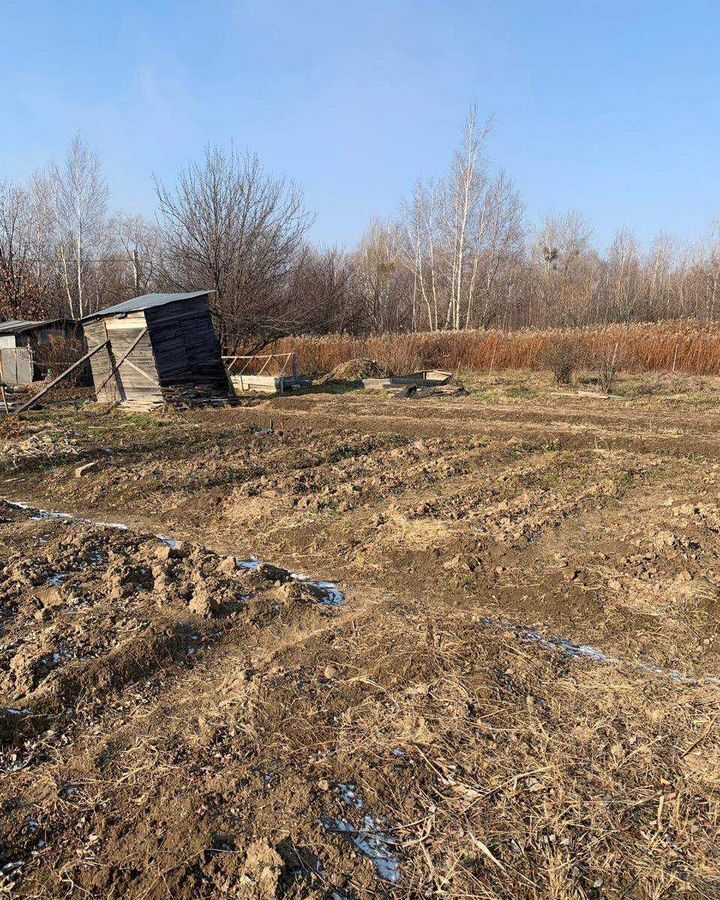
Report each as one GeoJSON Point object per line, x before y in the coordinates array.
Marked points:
{"type": "Point", "coordinates": [20, 342]}
{"type": "Point", "coordinates": [154, 348]}
{"type": "Point", "coordinates": [276, 373]}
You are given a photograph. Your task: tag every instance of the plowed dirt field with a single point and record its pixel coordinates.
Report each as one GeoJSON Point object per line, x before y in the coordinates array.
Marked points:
{"type": "Point", "coordinates": [350, 646]}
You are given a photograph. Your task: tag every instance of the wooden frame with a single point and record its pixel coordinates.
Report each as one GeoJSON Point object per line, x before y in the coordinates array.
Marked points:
{"type": "Point", "coordinates": [264, 381]}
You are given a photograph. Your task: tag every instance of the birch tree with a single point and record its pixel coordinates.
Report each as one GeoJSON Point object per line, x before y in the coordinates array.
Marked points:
{"type": "Point", "coordinates": [458, 235]}
{"type": "Point", "coordinates": [80, 199]}
{"type": "Point", "coordinates": [623, 271]}
{"type": "Point", "coordinates": [465, 215]}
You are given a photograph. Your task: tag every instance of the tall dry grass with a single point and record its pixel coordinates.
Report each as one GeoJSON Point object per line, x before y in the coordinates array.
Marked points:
{"type": "Point", "coordinates": [686, 346]}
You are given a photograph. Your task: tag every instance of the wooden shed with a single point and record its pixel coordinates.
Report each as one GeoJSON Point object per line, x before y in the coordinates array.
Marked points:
{"type": "Point", "coordinates": [155, 346]}
{"type": "Point", "coordinates": [21, 344]}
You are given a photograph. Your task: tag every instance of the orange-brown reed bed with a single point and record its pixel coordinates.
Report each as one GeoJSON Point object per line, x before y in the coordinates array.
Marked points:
{"type": "Point", "coordinates": [688, 346]}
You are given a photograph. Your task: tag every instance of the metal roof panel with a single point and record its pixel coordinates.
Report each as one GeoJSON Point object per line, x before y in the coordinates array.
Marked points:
{"type": "Point", "coordinates": [18, 326]}
{"type": "Point", "coordinates": [147, 301]}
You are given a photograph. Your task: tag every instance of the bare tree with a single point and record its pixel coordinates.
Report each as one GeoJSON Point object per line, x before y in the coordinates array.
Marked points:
{"type": "Point", "coordinates": [20, 291]}
{"type": "Point", "coordinates": [459, 236]}
{"type": "Point", "coordinates": [567, 270]}
{"type": "Point", "coordinates": [383, 283]}
{"type": "Point", "coordinates": [623, 276]}
{"type": "Point", "coordinates": [80, 194]}
{"type": "Point", "coordinates": [710, 272]}
{"type": "Point", "coordinates": [139, 243]}
{"type": "Point", "coordinates": [465, 211]}
{"type": "Point", "coordinates": [496, 247]}
{"type": "Point", "coordinates": [422, 256]}
{"type": "Point", "coordinates": [322, 293]}
{"type": "Point", "coordinates": [229, 227]}
{"type": "Point", "coordinates": [655, 279]}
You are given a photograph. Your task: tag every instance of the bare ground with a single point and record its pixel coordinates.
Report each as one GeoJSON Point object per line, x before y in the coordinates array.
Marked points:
{"type": "Point", "coordinates": [517, 697]}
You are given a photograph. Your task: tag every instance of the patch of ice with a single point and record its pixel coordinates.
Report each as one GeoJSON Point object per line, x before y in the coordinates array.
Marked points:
{"type": "Point", "coordinates": [59, 579]}
{"type": "Point", "coordinates": [348, 792]}
{"type": "Point", "coordinates": [41, 514]}
{"type": "Point", "coordinates": [587, 651]}
{"type": "Point", "coordinates": [332, 595]}
{"type": "Point", "coordinates": [372, 842]}
{"type": "Point", "coordinates": [8, 867]}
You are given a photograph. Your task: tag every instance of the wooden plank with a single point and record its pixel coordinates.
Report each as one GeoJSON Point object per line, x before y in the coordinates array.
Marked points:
{"type": "Point", "coordinates": [125, 323]}
{"type": "Point", "coordinates": [141, 372]}
{"type": "Point", "coordinates": [24, 365]}
{"type": "Point", "coordinates": [137, 373]}
{"type": "Point", "coordinates": [7, 362]}
{"type": "Point", "coordinates": [55, 381]}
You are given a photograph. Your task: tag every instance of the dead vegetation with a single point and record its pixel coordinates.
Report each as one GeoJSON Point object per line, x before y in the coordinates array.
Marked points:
{"type": "Point", "coordinates": [686, 346]}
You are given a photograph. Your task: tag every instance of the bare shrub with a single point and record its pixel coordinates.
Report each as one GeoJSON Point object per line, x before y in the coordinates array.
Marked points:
{"type": "Point", "coordinates": [560, 356]}
{"type": "Point", "coordinates": [608, 363]}
{"type": "Point", "coordinates": [58, 354]}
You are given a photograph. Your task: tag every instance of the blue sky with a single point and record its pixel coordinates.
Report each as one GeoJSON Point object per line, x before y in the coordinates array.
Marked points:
{"type": "Point", "coordinates": [609, 107]}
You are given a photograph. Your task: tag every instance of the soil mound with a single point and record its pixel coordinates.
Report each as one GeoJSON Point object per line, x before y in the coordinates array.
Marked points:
{"type": "Point", "coordinates": [354, 370]}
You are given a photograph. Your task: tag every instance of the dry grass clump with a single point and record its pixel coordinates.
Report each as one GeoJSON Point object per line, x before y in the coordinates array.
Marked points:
{"type": "Point", "coordinates": [355, 369]}
{"type": "Point", "coordinates": [669, 383]}
{"type": "Point", "coordinates": [22, 440]}
{"type": "Point", "coordinates": [686, 346]}
{"type": "Point", "coordinates": [522, 774]}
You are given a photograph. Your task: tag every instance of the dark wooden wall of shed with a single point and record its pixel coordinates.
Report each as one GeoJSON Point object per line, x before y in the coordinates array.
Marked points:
{"type": "Point", "coordinates": [186, 347]}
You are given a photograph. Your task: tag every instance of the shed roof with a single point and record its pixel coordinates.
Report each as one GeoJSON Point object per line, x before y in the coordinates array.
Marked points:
{"type": "Point", "coordinates": [147, 301]}
{"type": "Point", "coordinates": [20, 326]}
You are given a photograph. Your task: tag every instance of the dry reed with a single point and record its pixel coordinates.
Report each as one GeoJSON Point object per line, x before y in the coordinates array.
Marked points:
{"type": "Point", "coordinates": [689, 346]}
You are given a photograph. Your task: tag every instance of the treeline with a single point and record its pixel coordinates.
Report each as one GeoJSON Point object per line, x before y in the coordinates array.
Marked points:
{"type": "Point", "coordinates": [460, 255]}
